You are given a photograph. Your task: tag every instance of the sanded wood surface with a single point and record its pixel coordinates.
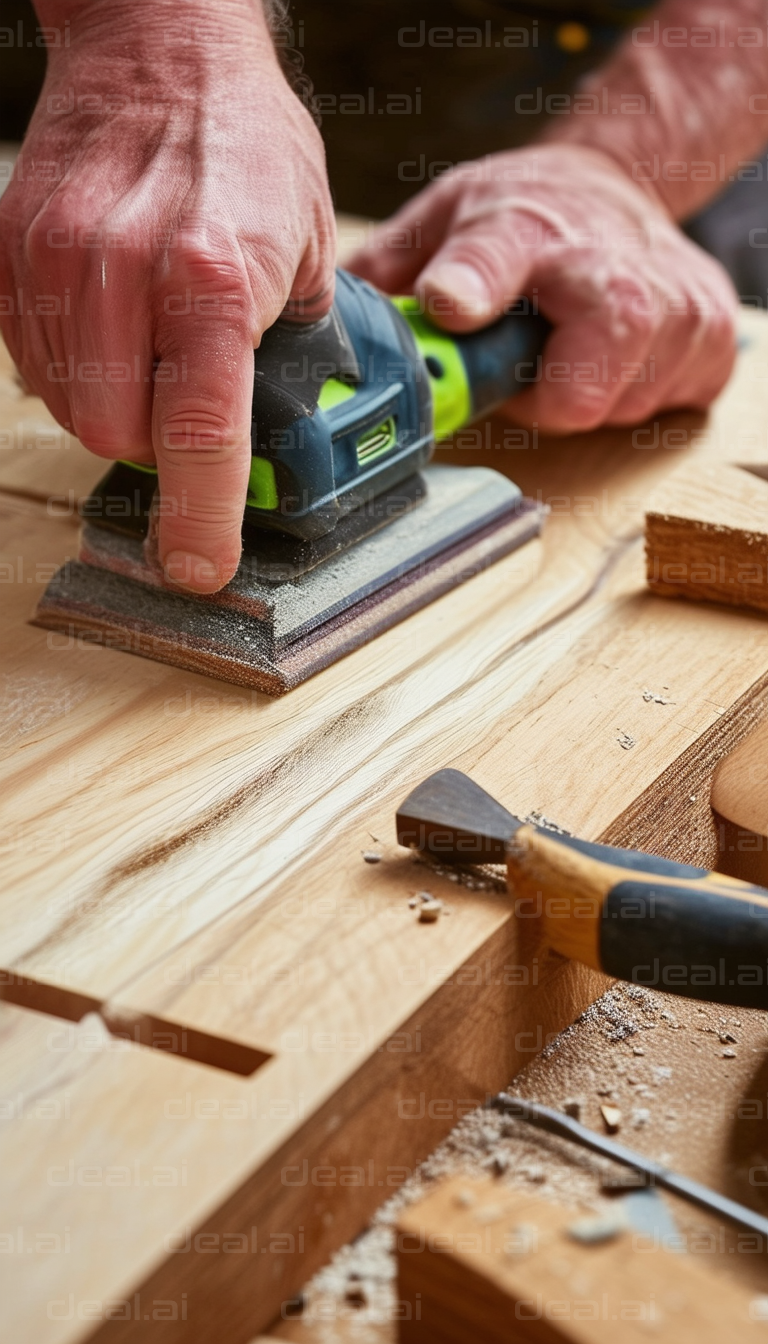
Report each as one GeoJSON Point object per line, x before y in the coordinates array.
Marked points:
{"type": "Point", "coordinates": [182, 862]}
{"type": "Point", "coordinates": [479, 1263]}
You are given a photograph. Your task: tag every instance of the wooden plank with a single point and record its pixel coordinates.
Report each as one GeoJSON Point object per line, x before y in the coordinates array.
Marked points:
{"type": "Point", "coordinates": [706, 537]}
{"type": "Point", "coordinates": [191, 854]}
{"type": "Point", "coordinates": [479, 1262]}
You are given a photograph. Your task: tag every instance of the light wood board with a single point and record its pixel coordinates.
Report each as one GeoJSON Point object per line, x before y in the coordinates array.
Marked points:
{"type": "Point", "coordinates": [191, 854]}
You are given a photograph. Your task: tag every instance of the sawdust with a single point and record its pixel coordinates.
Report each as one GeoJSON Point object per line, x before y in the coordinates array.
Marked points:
{"type": "Point", "coordinates": [681, 1103]}
{"type": "Point", "coordinates": [29, 703]}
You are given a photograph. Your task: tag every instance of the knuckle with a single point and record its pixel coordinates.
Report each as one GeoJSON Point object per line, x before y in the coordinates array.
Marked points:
{"type": "Point", "coordinates": [480, 251]}
{"type": "Point", "coordinates": [211, 433]}
{"type": "Point", "coordinates": [632, 307]}
{"type": "Point", "coordinates": [216, 518]}
{"type": "Point", "coordinates": [205, 262]}
{"type": "Point", "coordinates": [61, 226]}
{"type": "Point", "coordinates": [205, 280]}
{"type": "Point", "coordinates": [208, 266]}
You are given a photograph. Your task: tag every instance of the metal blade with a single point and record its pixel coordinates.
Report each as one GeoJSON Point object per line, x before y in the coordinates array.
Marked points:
{"type": "Point", "coordinates": [453, 820]}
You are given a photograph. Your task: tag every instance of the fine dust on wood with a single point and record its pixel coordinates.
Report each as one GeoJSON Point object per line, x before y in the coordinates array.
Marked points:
{"type": "Point", "coordinates": [680, 1101]}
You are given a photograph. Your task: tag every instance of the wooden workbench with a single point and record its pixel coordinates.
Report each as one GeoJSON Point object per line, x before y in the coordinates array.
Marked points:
{"type": "Point", "coordinates": [182, 863]}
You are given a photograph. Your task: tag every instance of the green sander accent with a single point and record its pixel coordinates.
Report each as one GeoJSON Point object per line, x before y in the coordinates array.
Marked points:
{"type": "Point", "coordinates": [346, 529]}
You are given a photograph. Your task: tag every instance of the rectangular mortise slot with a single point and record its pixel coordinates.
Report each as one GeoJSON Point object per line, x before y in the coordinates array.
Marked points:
{"type": "Point", "coordinates": [154, 1033]}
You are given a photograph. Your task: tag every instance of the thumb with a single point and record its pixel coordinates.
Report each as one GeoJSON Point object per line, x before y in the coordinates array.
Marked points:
{"type": "Point", "coordinates": [483, 266]}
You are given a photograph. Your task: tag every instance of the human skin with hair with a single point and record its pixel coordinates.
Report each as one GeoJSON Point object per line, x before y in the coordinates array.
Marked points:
{"type": "Point", "coordinates": [587, 219]}
{"type": "Point", "coordinates": [172, 186]}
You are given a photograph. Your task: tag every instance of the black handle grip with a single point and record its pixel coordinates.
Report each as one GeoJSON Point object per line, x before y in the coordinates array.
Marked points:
{"type": "Point", "coordinates": [503, 359]}
{"type": "Point", "coordinates": [665, 925]}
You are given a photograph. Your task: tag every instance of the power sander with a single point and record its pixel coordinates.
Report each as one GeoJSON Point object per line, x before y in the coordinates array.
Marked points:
{"type": "Point", "coordinates": [346, 530]}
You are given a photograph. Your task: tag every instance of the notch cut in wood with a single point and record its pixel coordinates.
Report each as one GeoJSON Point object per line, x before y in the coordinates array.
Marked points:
{"type": "Point", "coordinates": [706, 536]}
{"type": "Point", "coordinates": [155, 1033]}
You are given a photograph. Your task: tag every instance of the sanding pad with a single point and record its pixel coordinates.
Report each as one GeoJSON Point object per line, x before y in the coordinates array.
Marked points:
{"type": "Point", "coordinates": [275, 635]}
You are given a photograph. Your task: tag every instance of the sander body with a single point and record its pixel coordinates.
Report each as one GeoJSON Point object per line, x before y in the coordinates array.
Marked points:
{"type": "Point", "coordinates": [346, 528]}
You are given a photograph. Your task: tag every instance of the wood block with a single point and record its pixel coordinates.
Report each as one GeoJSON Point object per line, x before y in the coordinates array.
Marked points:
{"type": "Point", "coordinates": [477, 1261]}
{"type": "Point", "coordinates": [706, 537]}
{"type": "Point", "coordinates": [740, 801]}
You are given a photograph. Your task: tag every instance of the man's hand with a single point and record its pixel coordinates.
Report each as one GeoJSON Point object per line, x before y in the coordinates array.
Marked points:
{"type": "Point", "coordinates": [644, 319]}
{"type": "Point", "coordinates": [170, 200]}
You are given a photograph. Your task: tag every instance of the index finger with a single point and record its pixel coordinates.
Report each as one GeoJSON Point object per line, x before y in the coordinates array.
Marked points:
{"type": "Point", "coordinates": [202, 418]}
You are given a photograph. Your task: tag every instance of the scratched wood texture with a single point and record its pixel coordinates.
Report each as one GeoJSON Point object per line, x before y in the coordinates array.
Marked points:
{"type": "Point", "coordinates": [182, 864]}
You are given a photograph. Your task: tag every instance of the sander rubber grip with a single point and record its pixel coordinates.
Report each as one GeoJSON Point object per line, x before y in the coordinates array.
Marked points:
{"type": "Point", "coordinates": [503, 359]}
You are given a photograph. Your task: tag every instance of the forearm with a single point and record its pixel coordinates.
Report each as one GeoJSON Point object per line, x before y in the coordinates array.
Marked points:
{"type": "Point", "coordinates": [683, 101]}
{"type": "Point", "coordinates": [174, 27]}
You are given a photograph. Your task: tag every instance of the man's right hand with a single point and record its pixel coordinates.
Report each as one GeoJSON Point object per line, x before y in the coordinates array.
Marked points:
{"type": "Point", "coordinates": [169, 202]}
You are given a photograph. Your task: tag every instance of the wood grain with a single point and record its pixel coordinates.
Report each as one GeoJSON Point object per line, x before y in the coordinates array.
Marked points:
{"type": "Point", "coordinates": [192, 853]}
{"type": "Point", "coordinates": [479, 1262]}
{"type": "Point", "coordinates": [706, 537]}
{"type": "Point", "coordinates": [740, 803]}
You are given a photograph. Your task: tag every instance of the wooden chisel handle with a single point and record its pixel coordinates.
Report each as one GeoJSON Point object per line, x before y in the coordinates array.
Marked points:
{"type": "Point", "coordinates": [660, 924]}
{"type": "Point", "coordinates": [665, 925]}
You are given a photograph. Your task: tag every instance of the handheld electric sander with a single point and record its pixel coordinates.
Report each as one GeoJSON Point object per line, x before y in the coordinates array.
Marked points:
{"type": "Point", "coordinates": [346, 530]}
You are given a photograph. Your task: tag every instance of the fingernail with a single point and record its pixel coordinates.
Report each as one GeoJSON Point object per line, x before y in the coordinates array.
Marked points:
{"type": "Point", "coordinates": [461, 283]}
{"type": "Point", "coordinates": [185, 567]}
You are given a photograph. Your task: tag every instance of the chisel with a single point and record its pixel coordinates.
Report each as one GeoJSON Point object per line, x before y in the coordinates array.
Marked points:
{"type": "Point", "coordinates": [659, 924]}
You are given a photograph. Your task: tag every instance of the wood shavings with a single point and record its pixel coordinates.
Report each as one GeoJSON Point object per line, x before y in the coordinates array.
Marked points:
{"type": "Point", "coordinates": [536, 818]}
{"type": "Point", "coordinates": [584, 1053]}
{"type": "Point", "coordinates": [652, 697]}
{"type": "Point", "coordinates": [535, 1174]}
{"type": "Point", "coordinates": [355, 1296]}
{"type": "Point", "coordinates": [626, 741]}
{"type": "Point", "coordinates": [430, 912]}
{"type": "Point", "coordinates": [593, 1231]}
{"type": "Point", "coordinates": [612, 1117]}
{"type": "Point", "coordinates": [499, 1163]}
{"type": "Point", "coordinates": [482, 877]}
{"type": "Point", "coordinates": [371, 856]}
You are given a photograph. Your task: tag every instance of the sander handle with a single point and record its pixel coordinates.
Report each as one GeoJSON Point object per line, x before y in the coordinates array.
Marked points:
{"type": "Point", "coordinates": [503, 359]}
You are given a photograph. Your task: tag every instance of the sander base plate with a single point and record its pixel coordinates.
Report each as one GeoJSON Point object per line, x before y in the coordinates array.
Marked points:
{"type": "Point", "coordinates": [274, 636]}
